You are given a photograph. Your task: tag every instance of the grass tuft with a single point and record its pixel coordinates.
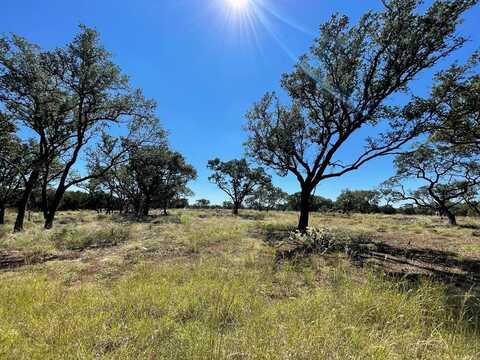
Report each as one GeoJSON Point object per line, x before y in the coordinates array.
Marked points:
{"type": "Point", "coordinates": [83, 237]}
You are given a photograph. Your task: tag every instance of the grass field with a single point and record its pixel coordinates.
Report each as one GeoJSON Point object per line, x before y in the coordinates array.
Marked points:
{"type": "Point", "coordinates": [206, 285]}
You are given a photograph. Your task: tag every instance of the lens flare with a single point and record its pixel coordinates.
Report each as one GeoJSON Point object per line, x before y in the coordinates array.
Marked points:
{"type": "Point", "coordinates": [238, 5]}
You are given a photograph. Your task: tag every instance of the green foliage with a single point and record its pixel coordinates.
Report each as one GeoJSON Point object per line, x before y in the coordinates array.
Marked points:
{"type": "Point", "coordinates": [447, 177]}
{"type": "Point", "coordinates": [267, 197]}
{"type": "Point", "coordinates": [202, 204]}
{"type": "Point", "coordinates": [317, 203]}
{"type": "Point", "coordinates": [345, 84]}
{"type": "Point", "coordinates": [314, 240]}
{"type": "Point", "coordinates": [360, 201]}
{"type": "Point", "coordinates": [237, 179]}
{"type": "Point", "coordinates": [453, 105]}
{"type": "Point", "coordinates": [161, 175]}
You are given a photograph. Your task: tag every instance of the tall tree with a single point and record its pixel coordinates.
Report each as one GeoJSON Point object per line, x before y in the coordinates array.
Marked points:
{"type": "Point", "coordinates": [161, 174]}
{"type": "Point", "coordinates": [12, 169]}
{"type": "Point", "coordinates": [70, 97]}
{"type": "Point", "coordinates": [31, 97]}
{"type": "Point", "coordinates": [448, 177]}
{"type": "Point", "coordinates": [101, 97]}
{"type": "Point", "coordinates": [202, 204]}
{"type": "Point", "coordinates": [341, 89]}
{"type": "Point", "coordinates": [267, 197]}
{"type": "Point", "coordinates": [237, 179]}
{"type": "Point", "coordinates": [362, 201]}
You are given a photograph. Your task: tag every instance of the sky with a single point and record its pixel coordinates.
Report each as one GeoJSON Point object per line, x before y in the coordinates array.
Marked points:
{"type": "Point", "coordinates": [206, 62]}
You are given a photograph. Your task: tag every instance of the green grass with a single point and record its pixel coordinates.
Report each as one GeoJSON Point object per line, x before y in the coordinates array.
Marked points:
{"type": "Point", "coordinates": [220, 310]}
{"type": "Point", "coordinates": [222, 296]}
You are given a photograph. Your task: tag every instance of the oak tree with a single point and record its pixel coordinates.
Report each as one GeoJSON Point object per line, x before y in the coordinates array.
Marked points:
{"type": "Point", "coordinates": [342, 89]}
{"type": "Point", "coordinates": [237, 179]}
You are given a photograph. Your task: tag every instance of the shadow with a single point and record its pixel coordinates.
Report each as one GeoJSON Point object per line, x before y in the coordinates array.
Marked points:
{"type": "Point", "coordinates": [274, 234]}
{"type": "Point", "coordinates": [150, 219]}
{"type": "Point", "coordinates": [408, 263]}
{"type": "Point", "coordinates": [255, 217]}
{"type": "Point", "coordinates": [408, 266]}
{"type": "Point", "coordinates": [10, 260]}
{"type": "Point", "coordinates": [469, 226]}
{"type": "Point", "coordinates": [415, 263]}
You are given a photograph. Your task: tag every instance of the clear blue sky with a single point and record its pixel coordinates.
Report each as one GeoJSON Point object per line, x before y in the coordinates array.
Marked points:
{"type": "Point", "coordinates": [205, 64]}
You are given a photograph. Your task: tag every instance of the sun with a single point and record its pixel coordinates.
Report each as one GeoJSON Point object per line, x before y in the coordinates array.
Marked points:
{"type": "Point", "coordinates": [238, 5]}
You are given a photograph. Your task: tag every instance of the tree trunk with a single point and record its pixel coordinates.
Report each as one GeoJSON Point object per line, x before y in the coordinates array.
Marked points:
{"type": "Point", "coordinates": [146, 207]}
{"type": "Point", "coordinates": [452, 220]}
{"type": "Point", "coordinates": [49, 220]}
{"type": "Point", "coordinates": [2, 213]}
{"type": "Point", "coordinates": [23, 202]}
{"type": "Point", "coordinates": [235, 209]}
{"type": "Point", "coordinates": [45, 198]}
{"type": "Point", "coordinates": [304, 210]}
{"type": "Point", "coordinates": [52, 209]}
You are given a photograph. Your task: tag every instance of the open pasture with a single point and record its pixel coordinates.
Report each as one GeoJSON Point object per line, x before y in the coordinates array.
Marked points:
{"type": "Point", "coordinates": [203, 284]}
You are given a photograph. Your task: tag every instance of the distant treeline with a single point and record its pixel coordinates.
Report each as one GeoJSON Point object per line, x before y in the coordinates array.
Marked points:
{"type": "Point", "coordinates": [349, 201]}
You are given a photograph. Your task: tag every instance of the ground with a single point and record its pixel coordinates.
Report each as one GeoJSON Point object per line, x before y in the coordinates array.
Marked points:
{"type": "Point", "coordinates": [203, 284]}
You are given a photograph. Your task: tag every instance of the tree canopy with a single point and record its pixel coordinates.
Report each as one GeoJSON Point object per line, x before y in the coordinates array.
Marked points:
{"type": "Point", "coordinates": [69, 98]}
{"type": "Point", "coordinates": [344, 84]}
{"type": "Point", "coordinates": [237, 179]}
{"type": "Point", "coordinates": [446, 177]}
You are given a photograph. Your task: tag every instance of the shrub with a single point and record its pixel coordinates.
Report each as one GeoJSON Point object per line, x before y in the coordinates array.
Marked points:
{"type": "Point", "coordinates": [317, 240]}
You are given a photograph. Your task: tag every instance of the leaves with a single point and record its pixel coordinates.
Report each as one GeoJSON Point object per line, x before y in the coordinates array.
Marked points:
{"type": "Point", "coordinates": [236, 178]}
{"type": "Point", "coordinates": [343, 85]}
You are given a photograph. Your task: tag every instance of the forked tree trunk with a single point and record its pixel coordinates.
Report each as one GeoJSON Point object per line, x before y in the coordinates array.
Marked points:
{"type": "Point", "coordinates": [304, 210]}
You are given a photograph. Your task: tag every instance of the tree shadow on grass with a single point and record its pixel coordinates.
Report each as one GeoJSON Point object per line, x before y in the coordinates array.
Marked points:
{"type": "Point", "coordinates": [410, 266]}
{"type": "Point", "coordinates": [405, 262]}
{"type": "Point", "coordinates": [150, 219]}
{"type": "Point", "coordinates": [469, 226]}
{"type": "Point", "coordinates": [253, 216]}
{"type": "Point", "coordinates": [416, 263]}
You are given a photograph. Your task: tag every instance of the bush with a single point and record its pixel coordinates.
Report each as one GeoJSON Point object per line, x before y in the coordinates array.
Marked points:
{"type": "Point", "coordinates": [317, 240]}
{"type": "Point", "coordinates": [82, 238]}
